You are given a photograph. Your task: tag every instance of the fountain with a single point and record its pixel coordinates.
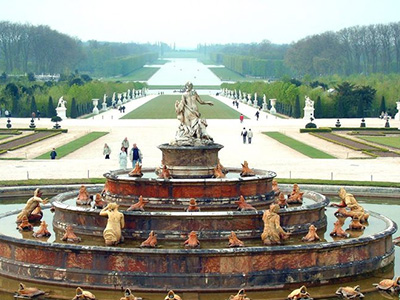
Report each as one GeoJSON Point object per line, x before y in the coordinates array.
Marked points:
{"type": "Point", "coordinates": [224, 250]}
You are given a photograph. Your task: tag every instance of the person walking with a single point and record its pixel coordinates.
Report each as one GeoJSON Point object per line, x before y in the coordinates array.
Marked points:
{"type": "Point", "coordinates": [123, 158]}
{"type": "Point", "coordinates": [244, 135]}
{"type": "Point", "coordinates": [257, 114]}
{"type": "Point", "coordinates": [106, 151]}
{"type": "Point", "coordinates": [241, 118]}
{"type": "Point", "coordinates": [53, 153]}
{"type": "Point", "coordinates": [125, 143]}
{"type": "Point", "coordinates": [135, 155]}
{"type": "Point", "coordinates": [249, 135]}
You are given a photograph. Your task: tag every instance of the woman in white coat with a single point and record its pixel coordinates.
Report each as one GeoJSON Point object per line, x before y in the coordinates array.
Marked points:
{"type": "Point", "coordinates": [123, 158]}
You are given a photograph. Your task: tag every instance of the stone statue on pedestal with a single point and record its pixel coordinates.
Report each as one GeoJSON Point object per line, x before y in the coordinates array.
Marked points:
{"type": "Point", "coordinates": [308, 109]}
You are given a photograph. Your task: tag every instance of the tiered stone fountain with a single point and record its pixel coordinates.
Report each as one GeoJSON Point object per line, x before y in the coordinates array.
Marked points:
{"type": "Point", "coordinates": [191, 161]}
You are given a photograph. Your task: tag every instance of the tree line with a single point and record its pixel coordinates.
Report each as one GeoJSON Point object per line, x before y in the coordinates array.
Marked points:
{"type": "Point", "coordinates": [39, 49]}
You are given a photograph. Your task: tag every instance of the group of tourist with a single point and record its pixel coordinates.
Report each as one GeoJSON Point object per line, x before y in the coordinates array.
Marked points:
{"type": "Point", "coordinates": [134, 155]}
{"type": "Point", "coordinates": [246, 135]}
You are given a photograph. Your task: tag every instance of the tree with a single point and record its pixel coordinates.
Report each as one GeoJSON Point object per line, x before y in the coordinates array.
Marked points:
{"type": "Point", "coordinates": [51, 111]}
{"type": "Point", "coordinates": [33, 105]}
{"type": "Point", "coordinates": [382, 108]}
{"type": "Point", "coordinates": [296, 112]}
{"type": "Point", "coordinates": [345, 100]}
{"type": "Point", "coordinates": [318, 108]}
{"type": "Point", "coordinates": [74, 109]}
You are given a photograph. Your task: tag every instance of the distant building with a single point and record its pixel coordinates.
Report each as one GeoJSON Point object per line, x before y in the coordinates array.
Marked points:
{"type": "Point", "coordinates": [47, 77]}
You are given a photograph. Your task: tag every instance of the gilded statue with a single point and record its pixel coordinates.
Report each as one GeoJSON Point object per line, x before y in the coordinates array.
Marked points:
{"type": "Point", "coordinates": [42, 231]}
{"type": "Point", "coordinates": [355, 224]}
{"type": "Point", "coordinates": [83, 196]}
{"type": "Point", "coordinates": [138, 205]}
{"type": "Point", "coordinates": [29, 292]}
{"type": "Point", "coordinates": [338, 230]}
{"type": "Point", "coordinates": [243, 205]}
{"type": "Point", "coordinates": [349, 207]}
{"type": "Point", "coordinates": [312, 235]}
{"type": "Point", "coordinates": [282, 201]}
{"type": "Point", "coordinates": [112, 233]}
{"type": "Point", "coordinates": [273, 232]}
{"type": "Point", "coordinates": [296, 196]}
{"type": "Point", "coordinates": [83, 295]}
{"type": "Point", "coordinates": [137, 171]}
{"type": "Point", "coordinates": [300, 293]}
{"type": "Point", "coordinates": [163, 172]}
{"type": "Point", "coordinates": [128, 295]}
{"type": "Point", "coordinates": [275, 188]}
{"type": "Point", "coordinates": [24, 224]}
{"type": "Point", "coordinates": [172, 296]}
{"type": "Point", "coordinates": [241, 295]}
{"type": "Point", "coordinates": [99, 202]}
{"type": "Point", "coordinates": [151, 241]}
{"type": "Point", "coordinates": [69, 236]}
{"type": "Point", "coordinates": [389, 285]}
{"type": "Point", "coordinates": [192, 129]}
{"type": "Point", "coordinates": [192, 206]}
{"type": "Point", "coordinates": [246, 171]}
{"type": "Point", "coordinates": [192, 241]}
{"type": "Point", "coordinates": [234, 241]}
{"type": "Point", "coordinates": [31, 205]}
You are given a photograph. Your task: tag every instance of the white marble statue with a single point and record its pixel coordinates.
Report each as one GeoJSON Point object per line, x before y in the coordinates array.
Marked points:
{"type": "Point", "coordinates": [308, 109]}
{"type": "Point", "coordinates": [397, 116]}
{"type": "Point", "coordinates": [61, 102]}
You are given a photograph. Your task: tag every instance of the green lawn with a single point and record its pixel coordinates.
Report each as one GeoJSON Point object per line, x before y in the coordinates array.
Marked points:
{"type": "Point", "coordinates": [226, 74]}
{"type": "Point", "coordinates": [163, 107]}
{"type": "Point", "coordinates": [390, 141]}
{"type": "Point", "coordinates": [141, 74]}
{"type": "Point", "coordinates": [298, 146]}
{"type": "Point", "coordinates": [4, 136]}
{"type": "Point", "coordinates": [74, 145]}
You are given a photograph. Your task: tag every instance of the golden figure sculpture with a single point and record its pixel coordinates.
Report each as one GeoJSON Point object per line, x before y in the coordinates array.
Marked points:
{"type": "Point", "coordinates": [138, 205]}
{"type": "Point", "coordinates": [312, 235]}
{"type": "Point", "coordinates": [389, 285]}
{"type": "Point", "coordinates": [24, 225]}
{"type": "Point", "coordinates": [192, 241]}
{"type": "Point", "coordinates": [137, 171]}
{"type": "Point", "coordinates": [300, 293]}
{"type": "Point", "coordinates": [246, 171]}
{"type": "Point", "coordinates": [338, 230]}
{"type": "Point", "coordinates": [281, 201]}
{"type": "Point", "coordinates": [192, 206]}
{"type": "Point", "coordinates": [151, 241]}
{"type": "Point", "coordinates": [273, 232]}
{"type": "Point", "coordinates": [243, 205]}
{"type": "Point", "coordinates": [218, 172]}
{"type": "Point", "coordinates": [355, 224]}
{"type": "Point", "coordinates": [275, 188]}
{"type": "Point", "coordinates": [83, 196]}
{"type": "Point", "coordinates": [31, 205]}
{"type": "Point", "coordinates": [349, 207]}
{"type": "Point", "coordinates": [112, 233]}
{"type": "Point", "coordinates": [234, 241]}
{"type": "Point", "coordinates": [241, 295]}
{"type": "Point", "coordinates": [163, 172]}
{"type": "Point", "coordinates": [296, 196]}
{"type": "Point", "coordinates": [129, 296]}
{"type": "Point", "coordinates": [42, 231]}
{"type": "Point", "coordinates": [70, 236]}
{"type": "Point", "coordinates": [99, 202]}
{"type": "Point", "coordinates": [172, 296]}
{"type": "Point", "coordinates": [83, 295]}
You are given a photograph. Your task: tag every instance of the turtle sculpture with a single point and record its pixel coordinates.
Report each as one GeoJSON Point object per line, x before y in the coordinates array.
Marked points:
{"type": "Point", "coordinates": [389, 285]}
{"type": "Point", "coordinates": [83, 295]}
{"type": "Point", "coordinates": [28, 292]}
{"type": "Point", "coordinates": [300, 293]}
{"type": "Point", "coordinates": [172, 296]}
{"type": "Point", "coordinates": [350, 292]}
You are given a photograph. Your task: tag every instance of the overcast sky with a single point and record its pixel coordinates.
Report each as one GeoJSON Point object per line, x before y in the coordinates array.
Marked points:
{"type": "Point", "coordinates": [188, 23]}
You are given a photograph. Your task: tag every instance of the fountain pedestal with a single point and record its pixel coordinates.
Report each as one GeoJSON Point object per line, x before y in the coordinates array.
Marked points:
{"type": "Point", "coordinates": [190, 162]}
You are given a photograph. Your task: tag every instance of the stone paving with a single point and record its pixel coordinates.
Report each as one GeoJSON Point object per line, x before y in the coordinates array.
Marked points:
{"type": "Point", "coordinates": [263, 153]}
